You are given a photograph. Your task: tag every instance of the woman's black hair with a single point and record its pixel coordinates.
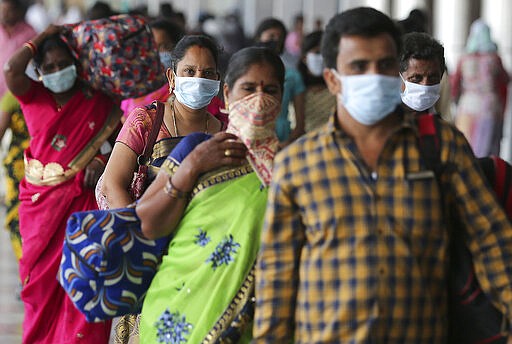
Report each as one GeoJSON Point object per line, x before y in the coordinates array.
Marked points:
{"type": "Point", "coordinates": [271, 23]}
{"type": "Point", "coordinates": [173, 31]}
{"type": "Point", "coordinates": [188, 41]}
{"type": "Point", "coordinates": [50, 43]}
{"type": "Point", "coordinates": [243, 59]}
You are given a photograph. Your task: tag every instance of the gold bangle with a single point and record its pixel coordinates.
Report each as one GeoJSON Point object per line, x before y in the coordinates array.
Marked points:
{"type": "Point", "coordinates": [170, 190]}
{"type": "Point", "coordinates": [31, 46]}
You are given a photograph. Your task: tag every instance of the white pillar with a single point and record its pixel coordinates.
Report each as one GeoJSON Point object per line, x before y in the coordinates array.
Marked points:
{"type": "Point", "coordinates": [312, 12]}
{"type": "Point", "coordinates": [191, 9]}
{"type": "Point", "coordinates": [382, 5]}
{"type": "Point", "coordinates": [451, 22]}
{"type": "Point", "coordinates": [153, 7]}
{"type": "Point", "coordinates": [344, 5]}
{"type": "Point", "coordinates": [253, 13]}
{"type": "Point", "coordinates": [496, 14]}
{"type": "Point", "coordinates": [286, 10]}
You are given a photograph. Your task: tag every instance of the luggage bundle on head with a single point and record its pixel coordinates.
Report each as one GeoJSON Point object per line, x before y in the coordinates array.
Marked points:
{"type": "Point", "coordinates": [118, 55]}
{"type": "Point", "coordinates": [473, 319]}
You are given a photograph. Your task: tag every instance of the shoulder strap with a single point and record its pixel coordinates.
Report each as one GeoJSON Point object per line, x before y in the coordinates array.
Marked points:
{"type": "Point", "coordinates": [429, 142]}
{"type": "Point", "coordinates": [157, 124]}
{"type": "Point", "coordinates": [502, 183]}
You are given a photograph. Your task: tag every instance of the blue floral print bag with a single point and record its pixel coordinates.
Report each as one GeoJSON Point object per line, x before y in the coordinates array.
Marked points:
{"type": "Point", "coordinates": [107, 264]}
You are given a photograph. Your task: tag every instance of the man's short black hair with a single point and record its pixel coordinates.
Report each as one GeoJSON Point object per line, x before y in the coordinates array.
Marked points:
{"type": "Point", "coordinates": [360, 21]}
{"type": "Point", "coordinates": [421, 46]}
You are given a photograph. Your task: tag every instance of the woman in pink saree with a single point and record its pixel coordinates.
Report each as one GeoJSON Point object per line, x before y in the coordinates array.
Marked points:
{"type": "Point", "coordinates": [68, 124]}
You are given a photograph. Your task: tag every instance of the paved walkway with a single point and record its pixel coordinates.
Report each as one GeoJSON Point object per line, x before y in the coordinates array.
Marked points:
{"type": "Point", "coordinates": [11, 308]}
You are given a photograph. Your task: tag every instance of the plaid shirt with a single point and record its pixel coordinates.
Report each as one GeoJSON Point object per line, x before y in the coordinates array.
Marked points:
{"type": "Point", "coordinates": [350, 256]}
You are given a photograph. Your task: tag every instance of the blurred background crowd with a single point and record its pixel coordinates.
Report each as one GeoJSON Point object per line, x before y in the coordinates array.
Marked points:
{"type": "Point", "coordinates": [233, 23]}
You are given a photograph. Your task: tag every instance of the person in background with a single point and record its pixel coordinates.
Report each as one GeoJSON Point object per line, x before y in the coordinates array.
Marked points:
{"type": "Point", "coordinates": [12, 118]}
{"type": "Point", "coordinates": [353, 203]}
{"type": "Point", "coordinates": [479, 87]}
{"type": "Point", "coordinates": [422, 65]}
{"type": "Point", "coordinates": [166, 35]}
{"type": "Point", "coordinates": [319, 24]}
{"type": "Point", "coordinates": [205, 283]}
{"type": "Point", "coordinates": [99, 10]}
{"type": "Point", "coordinates": [67, 123]}
{"type": "Point", "coordinates": [271, 33]}
{"type": "Point", "coordinates": [319, 103]}
{"type": "Point", "coordinates": [418, 21]}
{"type": "Point", "coordinates": [14, 31]}
{"type": "Point", "coordinates": [293, 41]}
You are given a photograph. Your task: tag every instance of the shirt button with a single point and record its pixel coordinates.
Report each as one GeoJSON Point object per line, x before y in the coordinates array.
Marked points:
{"type": "Point", "coordinates": [382, 270]}
{"type": "Point", "coordinates": [380, 231]}
{"type": "Point", "coordinates": [79, 335]}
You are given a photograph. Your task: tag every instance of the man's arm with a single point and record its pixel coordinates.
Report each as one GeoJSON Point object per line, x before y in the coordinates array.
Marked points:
{"type": "Point", "coordinates": [277, 270]}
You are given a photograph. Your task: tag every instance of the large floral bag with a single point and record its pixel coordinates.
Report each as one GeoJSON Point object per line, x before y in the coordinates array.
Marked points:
{"type": "Point", "coordinates": [118, 55]}
{"type": "Point", "coordinates": [107, 264]}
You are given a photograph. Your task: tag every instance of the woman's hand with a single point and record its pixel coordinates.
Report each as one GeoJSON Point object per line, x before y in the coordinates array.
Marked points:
{"type": "Point", "coordinates": [223, 149]}
{"type": "Point", "coordinates": [93, 172]}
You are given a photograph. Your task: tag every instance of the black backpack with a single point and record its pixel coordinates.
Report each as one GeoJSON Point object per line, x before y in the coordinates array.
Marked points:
{"type": "Point", "coordinates": [473, 319]}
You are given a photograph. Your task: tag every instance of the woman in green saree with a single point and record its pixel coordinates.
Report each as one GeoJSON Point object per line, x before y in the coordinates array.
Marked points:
{"type": "Point", "coordinates": [210, 195]}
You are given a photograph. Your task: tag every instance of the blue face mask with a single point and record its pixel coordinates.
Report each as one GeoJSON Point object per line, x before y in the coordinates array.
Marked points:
{"type": "Point", "coordinates": [165, 59]}
{"type": "Point", "coordinates": [369, 98]}
{"type": "Point", "coordinates": [60, 81]}
{"type": "Point", "coordinates": [195, 93]}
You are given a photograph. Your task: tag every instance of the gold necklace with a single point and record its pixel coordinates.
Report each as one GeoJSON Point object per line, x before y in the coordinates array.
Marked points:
{"type": "Point", "coordinates": [176, 127]}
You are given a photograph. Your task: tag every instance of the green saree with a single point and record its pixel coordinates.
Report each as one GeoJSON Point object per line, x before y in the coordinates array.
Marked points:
{"type": "Point", "coordinates": [203, 291]}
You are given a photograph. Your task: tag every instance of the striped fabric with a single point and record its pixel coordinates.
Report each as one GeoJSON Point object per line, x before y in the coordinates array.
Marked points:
{"type": "Point", "coordinates": [351, 256]}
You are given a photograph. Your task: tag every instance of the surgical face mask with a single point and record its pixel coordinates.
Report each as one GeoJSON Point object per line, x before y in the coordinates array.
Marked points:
{"type": "Point", "coordinates": [369, 98]}
{"type": "Point", "coordinates": [420, 97]}
{"type": "Point", "coordinates": [165, 59]}
{"type": "Point", "coordinates": [315, 63]}
{"type": "Point", "coordinates": [195, 93]}
{"type": "Point", "coordinates": [60, 81]}
{"type": "Point", "coordinates": [252, 119]}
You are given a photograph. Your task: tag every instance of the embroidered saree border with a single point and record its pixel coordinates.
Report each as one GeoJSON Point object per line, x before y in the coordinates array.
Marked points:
{"type": "Point", "coordinates": [211, 178]}
{"type": "Point", "coordinates": [237, 304]}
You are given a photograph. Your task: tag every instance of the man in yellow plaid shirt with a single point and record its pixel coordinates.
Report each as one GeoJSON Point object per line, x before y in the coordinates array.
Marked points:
{"type": "Point", "coordinates": [354, 248]}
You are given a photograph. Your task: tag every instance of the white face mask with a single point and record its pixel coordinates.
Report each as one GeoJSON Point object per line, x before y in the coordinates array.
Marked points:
{"type": "Point", "coordinates": [60, 81]}
{"type": "Point", "coordinates": [369, 98]}
{"type": "Point", "coordinates": [420, 97]}
{"type": "Point", "coordinates": [315, 63]}
{"type": "Point", "coordinates": [195, 93]}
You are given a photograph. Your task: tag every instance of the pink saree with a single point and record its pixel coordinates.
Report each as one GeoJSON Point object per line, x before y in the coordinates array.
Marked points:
{"type": "Point", "coordinates": [64, 140]}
